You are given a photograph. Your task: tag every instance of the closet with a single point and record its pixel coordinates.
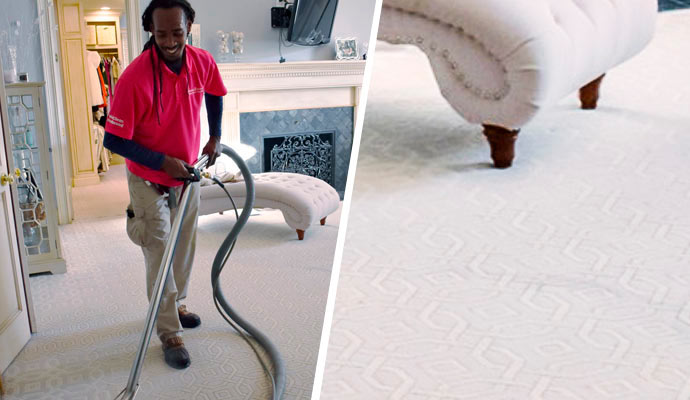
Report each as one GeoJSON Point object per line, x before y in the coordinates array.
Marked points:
{"type": "Point", "coordinates": [103, 34]}
{"type": "Point", "coordinates": [104, 66]}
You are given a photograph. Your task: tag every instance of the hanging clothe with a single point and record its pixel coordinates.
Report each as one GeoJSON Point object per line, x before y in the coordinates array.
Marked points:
{"type": "Point", "coordinates": [115, 73]}
{"type": "Point", "coordinates": [94, 83]}
{"type": "Point", "coordinates": [102, 155]}
{"type": "Point", "coordinates": [106, 68]}
{"type": "Point", "coordinates": [104, 89]}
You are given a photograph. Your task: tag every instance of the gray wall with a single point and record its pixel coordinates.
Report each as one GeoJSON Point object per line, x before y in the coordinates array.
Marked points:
{"type": "Point", "coordinates": [28, 41]}
{"type": "Point", "coordinates": [353, 18]}
{"type": "Point", "coordinates": [253, 17]}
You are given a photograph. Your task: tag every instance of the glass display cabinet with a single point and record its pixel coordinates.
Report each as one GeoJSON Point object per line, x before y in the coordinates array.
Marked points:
{"type": "Point", "coordinates": [35, 188]}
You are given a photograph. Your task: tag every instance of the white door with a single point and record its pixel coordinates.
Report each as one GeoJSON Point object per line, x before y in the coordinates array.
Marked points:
{"type": "Point", "coordinates": [14, 318]}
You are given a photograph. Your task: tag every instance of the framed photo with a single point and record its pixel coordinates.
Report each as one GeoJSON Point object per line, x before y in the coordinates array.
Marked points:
{"type": "Point", "coordinates": [346, 49]}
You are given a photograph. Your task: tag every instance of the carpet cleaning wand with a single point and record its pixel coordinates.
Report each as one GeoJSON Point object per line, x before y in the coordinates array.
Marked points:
{"type": "Point", "coordinates": [232, 317]}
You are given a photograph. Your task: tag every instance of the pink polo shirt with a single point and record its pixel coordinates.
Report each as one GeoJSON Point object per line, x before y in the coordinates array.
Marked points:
{"type": "Point", "coordinates": [133, 113]}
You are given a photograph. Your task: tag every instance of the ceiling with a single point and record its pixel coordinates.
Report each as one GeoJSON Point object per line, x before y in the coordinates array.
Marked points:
{"type": "Point", "coordinates": [115, 5]}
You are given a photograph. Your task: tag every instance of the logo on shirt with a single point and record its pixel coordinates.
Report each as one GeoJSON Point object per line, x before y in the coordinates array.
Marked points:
{"type": "Point", "coordinates": [116, 121]}
{"type": "Point", "coordinates": [195, 90]}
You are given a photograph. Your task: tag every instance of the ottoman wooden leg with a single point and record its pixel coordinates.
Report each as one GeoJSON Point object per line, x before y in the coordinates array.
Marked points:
{"type": "Point", "coordinates": [502, 142]}
{"type": "Point", "coordinates": [589, 94]}
{"type": "Point", "coordinates": [323, 221]}
{"type": "Point", "coordinates": [300, 234]}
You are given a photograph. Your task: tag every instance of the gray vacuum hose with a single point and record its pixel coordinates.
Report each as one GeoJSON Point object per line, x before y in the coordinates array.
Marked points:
{"type": "Point", "coordinates": [218, 263]}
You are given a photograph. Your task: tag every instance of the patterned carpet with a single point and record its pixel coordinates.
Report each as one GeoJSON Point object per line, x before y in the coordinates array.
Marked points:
{"type": "Point", "coordinates": [90, 318]}
{"type": "Point", "coordinates": [564, 277]}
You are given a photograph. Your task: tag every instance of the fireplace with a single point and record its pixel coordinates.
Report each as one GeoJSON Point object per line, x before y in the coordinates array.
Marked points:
{"type": "Point", "coordinates": [315, 142]}
{"type": "Point", "coordinates": [270, 100]}
{"type": "Point", "coordinates": [310, 153]}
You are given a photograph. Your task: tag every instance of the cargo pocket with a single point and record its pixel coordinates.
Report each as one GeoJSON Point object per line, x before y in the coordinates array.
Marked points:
{"type": "Point", "coordinates": [136, 226]}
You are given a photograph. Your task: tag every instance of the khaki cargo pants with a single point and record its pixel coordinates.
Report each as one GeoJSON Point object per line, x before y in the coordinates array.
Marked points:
{"type": "Point", "coordinates": [149, 228]}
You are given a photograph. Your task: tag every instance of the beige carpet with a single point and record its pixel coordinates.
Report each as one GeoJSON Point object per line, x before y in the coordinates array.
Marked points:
{"type": "Point", "coordinates": [108, 199]}
{"type": "Point", "coordinates": [564, 277]}
{"type": "Point", "coordinates": [90, 318]}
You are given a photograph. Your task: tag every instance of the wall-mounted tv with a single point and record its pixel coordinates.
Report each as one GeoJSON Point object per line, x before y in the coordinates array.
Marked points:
{"type": "Point", "coordinates": [311, 22]}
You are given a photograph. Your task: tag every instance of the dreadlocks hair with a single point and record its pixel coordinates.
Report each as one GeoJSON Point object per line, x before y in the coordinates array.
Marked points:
{"type": "Point", "coordinates": [147, 18]}
{"type": "Point", "coordinates": [147, 21]}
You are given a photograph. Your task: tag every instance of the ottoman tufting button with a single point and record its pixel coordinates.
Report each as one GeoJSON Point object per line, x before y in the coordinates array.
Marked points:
{"type": "Point", "coordinates": [302, 199]}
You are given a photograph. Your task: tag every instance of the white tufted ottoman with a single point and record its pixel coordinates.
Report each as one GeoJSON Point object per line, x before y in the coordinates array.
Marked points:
{"type": "Point", "coordinates": [302, 199]}
{"type": "Point", "coordinates": [498, 62]}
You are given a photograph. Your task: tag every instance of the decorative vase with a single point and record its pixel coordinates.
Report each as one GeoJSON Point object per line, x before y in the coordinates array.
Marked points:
{"type": "Point", "coordinates": [237, 44]}
{"type": "Point", "coordinates": [10, 74]}
{"type": "Point", "coordinates": [223, 48]}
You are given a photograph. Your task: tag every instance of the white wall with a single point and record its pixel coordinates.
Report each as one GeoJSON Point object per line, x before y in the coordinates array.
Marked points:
{"type": "Point", "coordinates": [253, 17]}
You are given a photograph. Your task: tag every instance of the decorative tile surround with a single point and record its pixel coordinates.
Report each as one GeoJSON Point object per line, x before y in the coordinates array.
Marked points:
{"type": "Point", "coordinates": [256, 125]}
{"type": "Point", "coordinates": [666, 5]}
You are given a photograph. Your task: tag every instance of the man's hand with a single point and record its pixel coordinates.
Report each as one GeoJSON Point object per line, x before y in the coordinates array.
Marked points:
{"type": "Point", "coordinates": [212, 149]}
{"type": "Point", "coordinates": [175, 168]}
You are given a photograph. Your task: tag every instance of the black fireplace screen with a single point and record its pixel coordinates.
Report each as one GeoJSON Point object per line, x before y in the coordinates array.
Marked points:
{"type": "Point", "coordinates": [309, 154]}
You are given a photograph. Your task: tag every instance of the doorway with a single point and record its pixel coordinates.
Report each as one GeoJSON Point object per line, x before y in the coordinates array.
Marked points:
{"type": "Point", "coordinates": [107, 56]}
{"type": "Point", "coordinates": [96, 45]}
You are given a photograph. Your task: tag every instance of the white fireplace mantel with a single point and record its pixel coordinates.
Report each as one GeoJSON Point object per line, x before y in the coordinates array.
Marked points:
{"type": "Point", "coordinates": [260, 87]}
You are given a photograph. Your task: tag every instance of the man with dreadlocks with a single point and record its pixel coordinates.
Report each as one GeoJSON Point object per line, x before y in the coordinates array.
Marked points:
{"type": "Point", "coordinates": [155, 124]}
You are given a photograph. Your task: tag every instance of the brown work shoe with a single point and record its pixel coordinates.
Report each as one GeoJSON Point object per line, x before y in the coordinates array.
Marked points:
{"type": "Point", "coordinates": [188, 319]}
{"type": "Point", "coordinates": [176, 354]}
